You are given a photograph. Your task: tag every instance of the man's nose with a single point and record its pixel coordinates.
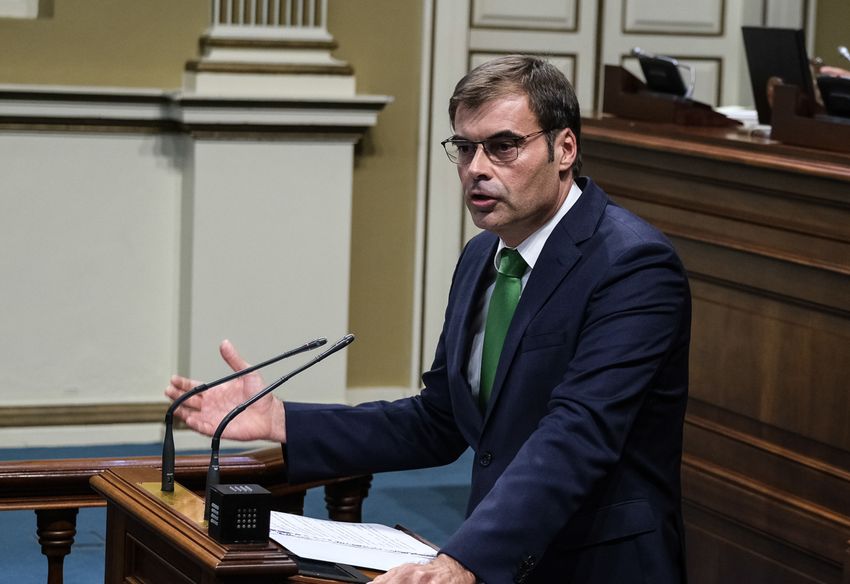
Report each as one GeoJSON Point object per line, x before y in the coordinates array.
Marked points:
{"type": "Point", "coordinates": [480, 163]}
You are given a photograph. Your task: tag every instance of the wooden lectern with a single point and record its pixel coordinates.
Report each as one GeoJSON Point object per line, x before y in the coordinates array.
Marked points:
{"type": "Point", "coordinates": [626, 96]}
{"type": "Point", "coordinates": [154, 537]}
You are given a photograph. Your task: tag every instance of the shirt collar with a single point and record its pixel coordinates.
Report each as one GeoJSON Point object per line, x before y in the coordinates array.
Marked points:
{"type": "Point", "coordinates": [531, 247]}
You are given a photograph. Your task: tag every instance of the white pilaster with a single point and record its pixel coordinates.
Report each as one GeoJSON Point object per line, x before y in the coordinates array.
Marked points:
{"type": "Point", "coordinates": [144, 226]}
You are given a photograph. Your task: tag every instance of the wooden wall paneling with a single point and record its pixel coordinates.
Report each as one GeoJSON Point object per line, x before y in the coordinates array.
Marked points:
{"type": "Point", "coordinates": [718, 438]}
{"type": "Point", "coordinates": [716, 555]}
{"type": "Point", "coordinates": [762, 230]}
{"type": "Point", "coordinates": [792, 197]}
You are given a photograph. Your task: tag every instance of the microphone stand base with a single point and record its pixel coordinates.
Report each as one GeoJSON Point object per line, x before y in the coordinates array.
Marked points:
{"type": "Point", "coordinates": [182, 500]}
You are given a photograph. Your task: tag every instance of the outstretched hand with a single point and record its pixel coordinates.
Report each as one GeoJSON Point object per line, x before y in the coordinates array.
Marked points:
{"type": "Point", "coordinates": [264, 420]}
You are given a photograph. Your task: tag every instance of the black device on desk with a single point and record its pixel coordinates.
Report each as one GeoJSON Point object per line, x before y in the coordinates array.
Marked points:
{"type": "Point", "coordinates": [773, 55]}
{"type": "Point", "coordinates": [330, 571]}
{"type": "Point", "coordinates": [835, 92]}
{"type": "Point", "coordinates": [239, 513]}
{"type": "Point", "coordinates": [664, 74]}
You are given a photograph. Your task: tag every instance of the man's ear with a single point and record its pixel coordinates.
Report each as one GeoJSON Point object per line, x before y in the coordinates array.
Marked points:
{"type": "Point", "coordinates": [569, 149]}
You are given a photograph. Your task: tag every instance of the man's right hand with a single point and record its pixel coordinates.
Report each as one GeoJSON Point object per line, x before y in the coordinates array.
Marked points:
{"type": "Point", "coordinates": [834, 71]}
{"type": "Point", "coordinates": [264, 420]}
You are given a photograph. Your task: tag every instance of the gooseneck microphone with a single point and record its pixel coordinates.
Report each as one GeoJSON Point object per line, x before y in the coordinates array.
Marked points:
{"type": "Point", "coordinates": [213, 471]}
{"type": "Point", "coordinates": [842, 50]}
{"type": "Point", "coordinates": [168, 441]}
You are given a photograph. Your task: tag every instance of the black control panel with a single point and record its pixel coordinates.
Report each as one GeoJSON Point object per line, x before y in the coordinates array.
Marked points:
{"type": "Point", "coordinates": [239, 513]}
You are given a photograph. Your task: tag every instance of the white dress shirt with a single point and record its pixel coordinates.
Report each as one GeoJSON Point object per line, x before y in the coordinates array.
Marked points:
{"type": "Point", "coordinates": [530, 250]}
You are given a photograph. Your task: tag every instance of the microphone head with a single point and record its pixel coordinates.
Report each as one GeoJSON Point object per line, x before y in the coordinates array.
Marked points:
{"type": "Point", "coordinates": [317, 343]}
{"type": "Point", "coordinates": [340, 344]}
{"type": "Point", "coordinates": [842, 50]}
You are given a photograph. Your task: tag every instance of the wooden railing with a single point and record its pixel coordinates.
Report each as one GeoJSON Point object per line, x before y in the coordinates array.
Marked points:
{"type": "Point", "coordinates": [57, 489]}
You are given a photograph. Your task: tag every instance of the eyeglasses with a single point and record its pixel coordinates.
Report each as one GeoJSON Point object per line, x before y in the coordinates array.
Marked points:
{"type": "Point", "coordinates": [500, 149]}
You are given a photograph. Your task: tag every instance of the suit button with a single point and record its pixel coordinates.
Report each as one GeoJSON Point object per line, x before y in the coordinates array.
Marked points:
{"type": "Point", "coordinates": [485, 459]}
{"type": "Point", "coordinates": [525, 568]}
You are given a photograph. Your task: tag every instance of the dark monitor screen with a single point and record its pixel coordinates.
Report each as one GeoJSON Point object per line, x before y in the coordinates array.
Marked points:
{"type": "Point", "coordinates": [776, 52]}
{"type": "Point", "coordinates": [835, 92]}
{"type": "Point", "coordinates": [662, 74]}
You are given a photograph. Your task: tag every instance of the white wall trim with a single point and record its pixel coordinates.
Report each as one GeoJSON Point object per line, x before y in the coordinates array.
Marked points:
{"type": "Point", "coordinates": [155, 106]}
{"type": "Point", "coordinates": [99, 435]}
{"type": "Point", "coordinates": [422, 165]}
{"type": "Point", "coordinates": [19, 9]}
{"type": "Point", "coordinates": [443, 238]}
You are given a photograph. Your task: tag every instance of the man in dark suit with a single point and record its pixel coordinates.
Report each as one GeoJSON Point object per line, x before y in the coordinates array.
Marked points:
{"type": "Point", "coordinates": [562, 363]}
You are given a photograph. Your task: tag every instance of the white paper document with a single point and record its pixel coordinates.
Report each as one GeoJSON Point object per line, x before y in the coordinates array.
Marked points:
{"type": "Point", "coordinates": [367, 545]}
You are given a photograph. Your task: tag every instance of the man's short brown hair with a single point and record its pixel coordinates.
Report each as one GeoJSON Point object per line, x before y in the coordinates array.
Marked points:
{"type": "Point", "coordinates": [550, 95]}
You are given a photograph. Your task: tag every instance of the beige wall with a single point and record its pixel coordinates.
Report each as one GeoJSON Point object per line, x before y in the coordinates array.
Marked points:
{"type": "Point", "coordinates": [128, 43]}
{"type": "Point", "coordinates": [382, 263]}
{"type": "Point", "coordinates": [134, 43]}
{"type": "Point", "coordinates": [832, 29]}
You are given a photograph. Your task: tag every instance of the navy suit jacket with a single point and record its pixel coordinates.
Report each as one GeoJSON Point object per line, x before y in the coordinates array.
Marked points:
{"type": "Point", "coordinates": [576, 475]}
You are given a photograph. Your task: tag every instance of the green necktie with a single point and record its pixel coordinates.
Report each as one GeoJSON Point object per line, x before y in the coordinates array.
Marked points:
{"type": "Point", "coordinates": [502, 305]}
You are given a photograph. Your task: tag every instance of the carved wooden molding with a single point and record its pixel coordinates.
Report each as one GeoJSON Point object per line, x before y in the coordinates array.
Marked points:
{"type": "Point", "coordinates": [74, 415]}
{"type": "Point", "coordinates": [109, 111]}
{"type": "Point", "coordinates": [270, 68]}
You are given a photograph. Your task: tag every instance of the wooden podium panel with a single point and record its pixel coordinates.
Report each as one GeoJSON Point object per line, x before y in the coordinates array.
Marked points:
{"type": "Point", "coordinates": [154, 538]}
{"type": "Point", "coordinates": [763, 229]}
{"type": "Point", "coordinates": [149, 541]}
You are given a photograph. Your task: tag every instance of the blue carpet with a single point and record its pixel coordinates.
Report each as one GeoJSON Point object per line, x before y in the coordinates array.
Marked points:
{"type": "Point", "coordinates": [430, 501]}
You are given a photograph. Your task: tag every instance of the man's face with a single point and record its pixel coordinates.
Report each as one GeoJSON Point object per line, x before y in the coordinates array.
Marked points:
{"type": "Point", "coordinates": [513, 199]}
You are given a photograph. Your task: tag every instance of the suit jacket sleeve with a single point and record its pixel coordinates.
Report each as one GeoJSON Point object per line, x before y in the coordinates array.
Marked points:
{"type": "Point", "coordinates": [336, 440]}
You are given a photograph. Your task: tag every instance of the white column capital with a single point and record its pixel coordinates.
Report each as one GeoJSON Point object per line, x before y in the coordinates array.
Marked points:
{"type": "Point", "coordinates": [269, 48]}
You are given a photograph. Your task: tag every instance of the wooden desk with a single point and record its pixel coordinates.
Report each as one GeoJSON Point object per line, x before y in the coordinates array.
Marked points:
{"type": "Point", "coordinates": [764, 231]}
{"type": "Point", "coordinates": [150, 542]}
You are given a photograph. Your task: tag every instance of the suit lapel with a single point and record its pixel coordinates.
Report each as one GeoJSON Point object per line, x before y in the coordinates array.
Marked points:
{"type": "Point", "coordinates": [471, 282]}
{"type": "Point", "coordinates": [559, 255]}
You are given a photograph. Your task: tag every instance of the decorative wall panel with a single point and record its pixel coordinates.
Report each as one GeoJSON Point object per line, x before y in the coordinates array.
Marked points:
{"type": "Point", "coordinates": [703, 17]}
{"type": "Point", "coordinates": [566, 63]}
{"type": "Point", "coordinates": [541, 14]}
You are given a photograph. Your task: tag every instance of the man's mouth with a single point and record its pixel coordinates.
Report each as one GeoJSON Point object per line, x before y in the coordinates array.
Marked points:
{"type": "Point", "coordinates": [481, 200]}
